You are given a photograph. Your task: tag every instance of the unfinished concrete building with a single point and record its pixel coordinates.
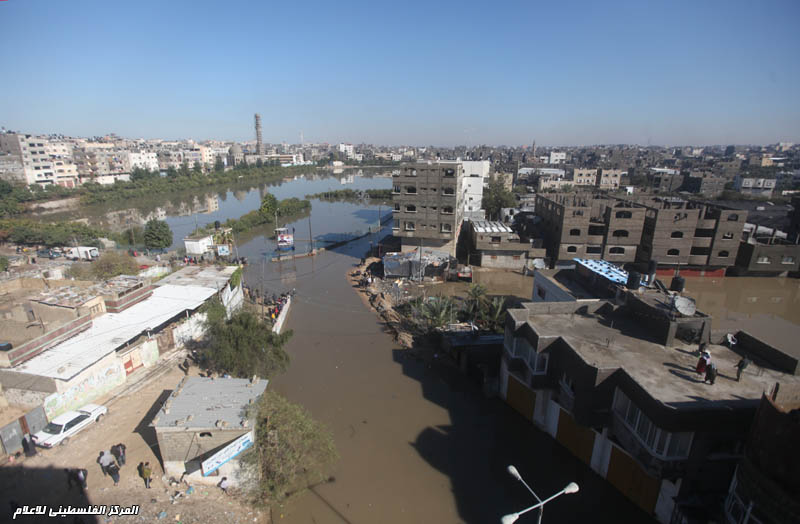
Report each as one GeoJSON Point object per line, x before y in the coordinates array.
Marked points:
{"type": "Point", "coordinates": [586, 225]}
{"type": "Point", "coordinates": [427, 206]}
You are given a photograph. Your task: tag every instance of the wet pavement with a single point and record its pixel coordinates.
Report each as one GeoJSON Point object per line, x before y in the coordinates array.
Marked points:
{"type": "Point", "coordinates": [418, 441]}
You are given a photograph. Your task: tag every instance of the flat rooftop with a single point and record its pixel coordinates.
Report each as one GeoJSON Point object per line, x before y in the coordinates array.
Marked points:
{"type": "Point", "coordinates": [111, 330]}
{"type": "Point", "coordinates": [667, 373]}
{"type": "Point", "coordinates": [205, 276]}
{"type": "Point", "coordinates": [487, 226]}
{"type": "Point", "coordinates": [200, 402]}
{"type": "Point", "coordinates": [568, 281]}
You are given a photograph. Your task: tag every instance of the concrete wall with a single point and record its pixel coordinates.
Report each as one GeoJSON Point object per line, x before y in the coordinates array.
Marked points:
{"type": "Point", "coordinates": [281, 320]}
{"type": "Point", "coordinates": [545, 290]}
{"type": "Point", "coordinates": [503, 259]}
{"type": "Point", "coordinates": [760, 349]}
{"type": "Point", "coordinates": [192, 328]}
{"type": "Point", "coordinates": [92, 383]}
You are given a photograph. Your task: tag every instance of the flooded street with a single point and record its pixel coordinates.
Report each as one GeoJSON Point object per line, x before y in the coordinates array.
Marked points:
{"type": "Point", "coordinates": [418, 443]}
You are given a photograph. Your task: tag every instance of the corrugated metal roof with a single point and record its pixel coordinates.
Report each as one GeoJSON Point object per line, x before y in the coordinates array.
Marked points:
{"type": "Point", "coordinates": [487, 226]}
{"type": "Point", "coordinates": [200, 402]}
{"type": "Point", "coordinates": [111, 330]}
{"type": "Point", "coordinates": [605, 269]}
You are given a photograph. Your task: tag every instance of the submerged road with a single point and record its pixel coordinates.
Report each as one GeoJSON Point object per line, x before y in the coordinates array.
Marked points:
{"type": "Point", "coordinates": [417, 444]}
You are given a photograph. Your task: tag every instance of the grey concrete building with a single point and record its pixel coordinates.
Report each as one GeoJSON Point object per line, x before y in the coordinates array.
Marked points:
{"type": "Point", "coordinates": [613, 380]}
{"type": "Point", "coordinates": [590, 226]}
{"type": "Point", "coordinates": [427, 205]}
{"type": "Point", "coordinates": [496, 245]}
{"type": "Point", "coordinates": [203, 425]}
{"type": "Point", "coordinates": [703, 183]}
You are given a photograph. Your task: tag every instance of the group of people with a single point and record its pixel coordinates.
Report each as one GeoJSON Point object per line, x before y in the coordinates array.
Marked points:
{"type": "Point", "coordinates": [274, 304]}
{"type": "Point", "coordinates": [709, 368]}
{"type": "Point", "coordinates": [111, 462]}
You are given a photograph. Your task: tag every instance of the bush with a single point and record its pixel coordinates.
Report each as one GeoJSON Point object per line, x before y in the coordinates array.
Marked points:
{"type": "Point", "coordinates": [112, 264]}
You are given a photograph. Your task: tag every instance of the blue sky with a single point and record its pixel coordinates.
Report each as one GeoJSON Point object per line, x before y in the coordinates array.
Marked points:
{"type": "Point", "coordinates": [417, 73]}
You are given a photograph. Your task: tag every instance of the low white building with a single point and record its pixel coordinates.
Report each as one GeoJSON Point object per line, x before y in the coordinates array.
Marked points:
{"type": "Point", "coordinates": [199, 244]}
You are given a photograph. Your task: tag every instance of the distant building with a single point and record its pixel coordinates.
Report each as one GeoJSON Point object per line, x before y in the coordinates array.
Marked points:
{"type": "Point", "coordinates": [609, 179]}
{"type": "Point", "coordinates": [766, 251]}
{"type": "Point", "coordinates": [496, 245]}
{"type": "Point", "coordinates": [557, 157]}
{"type": "Point", "coordinates": [754, 186]}
{"type": "Point", "coordinates": [665, 180]}
{"type": "Point", "coordinates": [704, 183]}
{"type": "Point", "coordinates": [38, 165]}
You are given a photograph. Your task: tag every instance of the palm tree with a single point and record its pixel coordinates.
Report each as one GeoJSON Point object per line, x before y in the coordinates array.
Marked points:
{"type": "Point", "coordinates": [438, 311]}
{"type": "Point", "coordinates": [495, 314]}
{"type": "Point", "coordinates": [475, 302]}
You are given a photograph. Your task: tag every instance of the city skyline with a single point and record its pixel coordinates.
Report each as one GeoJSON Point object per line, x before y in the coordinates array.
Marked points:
{"type": "Point", "coordinates": [682, 74]}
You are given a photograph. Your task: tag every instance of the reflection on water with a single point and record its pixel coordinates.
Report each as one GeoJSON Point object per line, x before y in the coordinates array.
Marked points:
{"type": "Point", "coordinates": [185, 211]}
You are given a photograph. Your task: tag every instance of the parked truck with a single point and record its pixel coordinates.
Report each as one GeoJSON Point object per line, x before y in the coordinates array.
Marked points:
{"type": "Point", "coordinates": [82, 253]}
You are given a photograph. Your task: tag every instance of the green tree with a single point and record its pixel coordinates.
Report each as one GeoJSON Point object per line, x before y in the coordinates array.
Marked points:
{"type": "Point", "coordinates": [157, 234]}
{"type": "Point", "coordinates": [219, 164]}
{"type": "Point", "coordinates": [495, 314]}
{"type": "Point", "coordinates": [112, 264]}
{"type": "Point", "coordinates": [496, 197]}
{"type": "Point", "coordinates": [3, 264]}
{"type": "Point", "coordinates": [245, 346]}
{"type": "Point", "coordinates": [292, 451]}
{"type": "Point", "coordinates": [475, 303]}
{"type": "Point", "coordinates": [269, 204]}
{"type": "Point", "coordinates": [259, 163]}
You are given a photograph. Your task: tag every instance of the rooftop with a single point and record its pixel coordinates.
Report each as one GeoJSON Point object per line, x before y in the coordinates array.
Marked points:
{"type": "Point", "coordinates": [206, 276]}
{"type": "Point", "coordinates": [605, 269]}
{"type": "Point", "coordinates": [487, 226]}
{"type": "Point", "coordinates": [567, 281]}
{"type": "Point", "coordinates": [200, 403]}
{"type": "Point", "coordinates": [111, 330]}
{"type": "Point", "coordinates": [667, 373]}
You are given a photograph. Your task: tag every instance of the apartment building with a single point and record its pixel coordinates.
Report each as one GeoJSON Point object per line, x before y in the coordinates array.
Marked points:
{"type": "Point", "coordinates": [428, 206]}
{"type": "Point", "coordinates": [584, 176]}
{"type": "Point", "coordinates": [665, 180]}
{"type": "Point", "coordinates": [754, 186]}
{"type": "Point", "coordinates": [704, 183]}
{"type": "Point", "coordinates": [557, 157]}
{"type": "Point", "coordinates": [496, 245]}
{"type": "Point", "coordinates": [139, 160]}
{"type": "Point", "coordinates": [609, 179]}
{"type": "Point", "coordinates": [37, 166]}
{"type": "Point", "coordinates": [613, 381]}
{"type": "Point", "coordinates": [590, 226]}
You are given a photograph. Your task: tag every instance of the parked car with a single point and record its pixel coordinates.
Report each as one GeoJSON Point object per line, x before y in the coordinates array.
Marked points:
{"type": "Point", "coordinates": [61, 428]}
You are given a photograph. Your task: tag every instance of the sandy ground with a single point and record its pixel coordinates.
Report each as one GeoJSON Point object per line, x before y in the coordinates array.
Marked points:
{"type": "Point", "coordinates": [41, 479]}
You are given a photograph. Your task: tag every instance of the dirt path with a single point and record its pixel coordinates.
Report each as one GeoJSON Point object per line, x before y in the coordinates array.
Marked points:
{"type": "Point", "coordinates": [41, 479]}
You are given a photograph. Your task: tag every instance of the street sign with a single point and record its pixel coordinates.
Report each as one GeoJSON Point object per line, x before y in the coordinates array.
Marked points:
{"type": "Point", "coordinates": [222, 456]}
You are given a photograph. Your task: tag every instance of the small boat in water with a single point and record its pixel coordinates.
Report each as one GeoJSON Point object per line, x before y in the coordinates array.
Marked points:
{"type": "Point", "coordinates": [284, 239]}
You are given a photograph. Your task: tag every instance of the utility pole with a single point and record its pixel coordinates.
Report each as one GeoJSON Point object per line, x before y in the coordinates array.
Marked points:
{"type": "Point", "coordinates": [310, 236]}
{"type": "Point", "coordinates": [420, 260]}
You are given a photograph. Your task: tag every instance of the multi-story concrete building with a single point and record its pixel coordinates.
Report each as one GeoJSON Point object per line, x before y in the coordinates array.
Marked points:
{"type": "Point", "coordinates": [704, 183]}
{"type": "Point", "coordinates": [139, 160]}
{"type": "Point", "coordinates": [613, 380]}
{"type": "Point", "coordinates": [766, 251]}
{"type": "Point", "coordinates": [496, 245]}
{"type": "Point", "coordinates": [11, 168]}
{"type": "Point", "coordinates": [609, 179]}
{"type": "Point", "coordinates": [557, 157]}
{"type": "Point", "coordinates": [584, 176]}
{"type": "Point", "coordinates": [665, 180]}
{"type": "Point", "coordinates": [754, 186]}
{"type": "Point", "coordinates": [427, 205]}
{"type": "Point", "coordinates": [589, 226]}
{"type": "Point", "coordinates": [37, 166]}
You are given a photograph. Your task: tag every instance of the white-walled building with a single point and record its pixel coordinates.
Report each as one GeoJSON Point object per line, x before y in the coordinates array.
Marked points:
{"type": "Point", "coordinates": [38, 165]}
{"type": "Point", "coordinates": [142, 160]}
{"type": "Point", "coordinates": [557, 157]}
{"type": "Point", "coordinates": [347, 149]}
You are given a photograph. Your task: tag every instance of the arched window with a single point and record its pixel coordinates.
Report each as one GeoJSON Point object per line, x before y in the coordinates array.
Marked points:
{"type": "Point", "coordinates": [677, 234]}
{"type": "Point", "coordinates": [572, 249]}
{"type": "Point", "coordinates": [673, 252]}
{"type": "Point", "coordinates": [622, 233]}
{"type": "Point", "coordinates": [205, 434]}
{"type": "Point", "coordinates": [727, 236]}
{"type": "Point", "coordinates": [616, 250]}
{"type": "Point", "coordinates": [624, 214]}
{"type": "Point", "coordinates": [723, 254]}
{"type": "Point", "coordinates": [574, 232]}
{"type": "Point", "coordinates": [733, 217]}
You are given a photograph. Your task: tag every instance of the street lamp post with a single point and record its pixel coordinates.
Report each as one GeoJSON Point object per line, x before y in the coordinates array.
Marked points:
{"type": "Point", "coordinates": [512, 517]}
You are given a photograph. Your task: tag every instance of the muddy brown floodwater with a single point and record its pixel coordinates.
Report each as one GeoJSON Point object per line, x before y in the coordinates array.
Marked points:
{"type": "Point", "coordinates": [418, 441]}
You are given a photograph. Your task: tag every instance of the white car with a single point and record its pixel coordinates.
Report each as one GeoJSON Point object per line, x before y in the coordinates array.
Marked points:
{"type": "Point", "coordinates": [61, 428]}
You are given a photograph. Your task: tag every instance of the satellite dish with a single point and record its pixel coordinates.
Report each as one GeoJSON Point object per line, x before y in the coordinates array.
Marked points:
{"type": "Point", "coordinates": [684, 305]}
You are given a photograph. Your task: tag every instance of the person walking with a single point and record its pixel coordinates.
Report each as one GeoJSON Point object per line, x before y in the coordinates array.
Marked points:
{"type": "Point", "coordinates": [81, 475]}
{"type": "Point", "coordinates": [146, 474]}
{"type": "Point", "coordinates": [121, 447]}
{"type": "Point", "coordinates": [711, 373]}
{"type": "Point", "coordinates": [28, 446]}
{"type": "Point", "coordinates": [703, 362]}
{"type": "Point", "coordinates": [741, 366]}
{"type": "Point", "coordinates": [224, 485]}
{"type": "Point", "coordinates": [115, 453]}
{"type": "Point", "coordinates": [113, 470]}
{"type": "Point", "coordinates": [105, 460]}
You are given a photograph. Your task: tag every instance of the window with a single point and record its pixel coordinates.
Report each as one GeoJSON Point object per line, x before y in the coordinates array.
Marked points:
{"type": "Point", "coordinates": [733, 217]}
{"type": "Point", "coordinates": [763, 260]}
{"type": "Point", "coordinates": [624, 214]}
{"type": "Point", "coordinates": [677, 234]}
{"type": "Point", "coordinates": [673, 252]}
{"type": "Point", "coordinates": [447, 228]}
{"type": "Point", "coordinates": [574, 232]}
{"type": "Point", "coordinates": [787, 260]}
{"type": "Point", "coordinates": [397, 206]}
{"type": "Point", "coordinates": [447, 210]}
{"type": "Point", "coordinates": [572, 249]}
{"type": "Point", "coordinates": [597, 230]}
{"type": "Point", "coordinates": [567, 386]}
{"type": "Point", "coordinates": [411, 190]}
{"type": "Point", "coordinates": [410, 226]}
{"type": "Point", "coordinates": [594, 250]}
{"type": "Point", "coordinates": [723, 254]}
{"type": "Point", "coordinates": [658, 441]}
{"type": "Point", "coordinates": [616, 250]}
{"type": "Point", "coordinates": [411, 208]}
{"type": "Point", "coordinates": [449, 172]}
{"type": "Point", "coordinates": [205, 434]}
{"type": "Point", "coordinates": [396, 190]}
{"type": "Point", "coordinates": [495, 240]}
{"type": "Point", "coordinates": [516, 257]}
{"type": "Point", "coordinates": [540, 291]}
{"type": "Point", "coordinates": [622, 233]}
{"type": "Point", "coordinates": [449, 191]}
{"type": "Point", "coordinates": [537, 362]}
{"type": "Point", "coordinates": [727, 236]}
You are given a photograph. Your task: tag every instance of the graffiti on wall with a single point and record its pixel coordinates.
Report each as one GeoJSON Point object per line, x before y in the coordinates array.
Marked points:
{"type": "Point", "coordinates": [86, 390]}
